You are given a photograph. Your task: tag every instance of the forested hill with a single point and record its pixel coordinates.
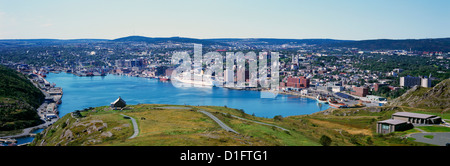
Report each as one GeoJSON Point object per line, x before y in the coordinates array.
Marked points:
{"type": "Point", "coordinates": [430, 44]}
{"type": "Point", "coordinates": [438, 44]}
{"type": "Point", "coordinates": [163, 40]}
{"type": "Point", "coordinates": [19, 99]}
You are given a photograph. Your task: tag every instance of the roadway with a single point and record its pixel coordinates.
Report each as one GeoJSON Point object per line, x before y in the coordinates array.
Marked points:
{"type": "Point", "coordinates": [135, 126]}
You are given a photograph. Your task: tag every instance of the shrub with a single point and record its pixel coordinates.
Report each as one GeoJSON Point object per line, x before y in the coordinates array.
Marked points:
{"type": "Point", "coordinates": [369, 140]}
{"type": "Point", "coordinates": [325, 140]}
{"type": "Point", "coordinates": [278, 118]}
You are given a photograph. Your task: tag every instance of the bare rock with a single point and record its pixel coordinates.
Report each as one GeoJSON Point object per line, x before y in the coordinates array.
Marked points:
{"type": "Point", "coordinates": [106, 134]}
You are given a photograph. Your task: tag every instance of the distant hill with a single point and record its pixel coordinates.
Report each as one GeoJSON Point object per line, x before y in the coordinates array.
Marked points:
{"type": "Point", "coordinates": [19, 99]}
{"type": "Point", "coordinates": [224, 41]}
{"type": "Point", "coordinates": [435, 44]}
{"type": "Point", "coordinates": [44, 42]}
{"type": "Point", "coordinates": [164, 40]}
{"type": "Point", "coordinates": [272, 41]}
{"type": "Point", "coordinates": [438, 44]}
{"type": "Point", "coordinates": [437, 97]}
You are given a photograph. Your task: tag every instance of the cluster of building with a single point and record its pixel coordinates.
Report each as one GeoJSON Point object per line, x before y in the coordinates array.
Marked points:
{"type": "Point", "coordinates": [401, 121]}
{"type": "Point", "coordinates": [49, 109]}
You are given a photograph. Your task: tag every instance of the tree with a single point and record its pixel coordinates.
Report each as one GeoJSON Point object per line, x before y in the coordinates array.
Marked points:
{"type": "Point", "coordinates": [325, 140]}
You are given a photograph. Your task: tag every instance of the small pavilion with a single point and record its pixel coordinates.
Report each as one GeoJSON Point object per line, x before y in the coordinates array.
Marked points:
{"type": "Point", "coordinates": [118, 104]}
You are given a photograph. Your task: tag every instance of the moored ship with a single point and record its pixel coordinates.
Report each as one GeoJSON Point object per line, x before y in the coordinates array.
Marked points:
{"type": "Point", "coordinates": [321, 99]}
{"type": "Point", "coordinates": [334, 103]}
{"type": "Point", "coordinates": [164, 78]}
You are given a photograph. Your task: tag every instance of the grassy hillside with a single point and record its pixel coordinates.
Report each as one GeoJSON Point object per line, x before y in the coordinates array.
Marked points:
{"type": "Point", "coordinates": [163, 127]}
{"type": "Point", "coordinates": [19, 99]}
{"type": "Point", "coordinates": [437, 97]}
{"type": "Point", "coordinates": [188, 127]}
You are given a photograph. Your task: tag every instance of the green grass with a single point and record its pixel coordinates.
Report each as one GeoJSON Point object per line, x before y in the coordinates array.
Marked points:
{"type": "Point", "coordinates": [429, 136]}
{"type": "Point", "coordinates": [83, 135]}
{"type": "Point", "coordinates": [271, 135]}
{"type": "Point", "coordinates": [170, 127]}
{"type": "Point", "coordinates": [434, 128]}
{"type": "Point", "coordinates": [187, 127]}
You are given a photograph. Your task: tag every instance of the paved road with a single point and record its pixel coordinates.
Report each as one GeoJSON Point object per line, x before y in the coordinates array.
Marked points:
{"type": "Point", "coordinates": [135, 126]}
{"type": "Point", "coordinates": [439, 138]}
{"type": "Point", "coordinates": [221, 124]}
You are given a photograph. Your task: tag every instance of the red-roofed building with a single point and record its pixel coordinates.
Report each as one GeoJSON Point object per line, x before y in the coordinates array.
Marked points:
{"type": "Point", "coordinates": [298, 82]}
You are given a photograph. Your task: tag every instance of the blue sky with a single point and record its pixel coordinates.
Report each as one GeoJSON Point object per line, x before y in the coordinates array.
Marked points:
{"type": "Point", "coordinates": [336, 19]}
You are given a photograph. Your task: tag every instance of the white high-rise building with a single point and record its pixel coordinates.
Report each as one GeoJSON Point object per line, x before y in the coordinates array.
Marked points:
{"type": "Point", "coordinates": [410, 81]}
{"type": "Point", "coordinates": [426, 82]}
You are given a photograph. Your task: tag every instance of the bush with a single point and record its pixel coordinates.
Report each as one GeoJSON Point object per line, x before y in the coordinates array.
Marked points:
{"type": "Point", "coordinates": [369, 140]}
{"type": "Point", "coordinates": [278, 118]}
{"type": "Point", "coordinates": [325, 140]}
{"type": "Point", "coordinates": [354, 140]}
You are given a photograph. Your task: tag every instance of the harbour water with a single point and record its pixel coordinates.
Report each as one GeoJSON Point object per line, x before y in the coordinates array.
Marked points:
{"type": "Point", "coordinates": [84, 92]}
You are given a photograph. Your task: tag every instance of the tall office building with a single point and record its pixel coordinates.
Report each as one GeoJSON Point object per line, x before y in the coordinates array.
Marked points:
{"type": "Point", "coordinates": [410, 81]}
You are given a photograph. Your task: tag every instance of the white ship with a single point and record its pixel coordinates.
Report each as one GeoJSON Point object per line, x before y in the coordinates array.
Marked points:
{"type": "Point", "coordinates": [195, 79]}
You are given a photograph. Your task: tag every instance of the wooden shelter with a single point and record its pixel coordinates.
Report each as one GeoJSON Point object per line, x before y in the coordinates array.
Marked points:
{"type": "Point", "coordinates": [118, 104]}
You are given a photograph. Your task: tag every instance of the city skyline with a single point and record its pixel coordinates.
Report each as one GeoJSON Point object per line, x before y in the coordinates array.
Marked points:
{"type": "Point", "coordinates": [348, 20]}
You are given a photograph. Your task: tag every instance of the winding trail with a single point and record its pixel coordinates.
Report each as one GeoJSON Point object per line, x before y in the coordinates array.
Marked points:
{"type": "Point", "coordinates": [221, 124]}
{"type": "Point", "coordinates": [135, 126]}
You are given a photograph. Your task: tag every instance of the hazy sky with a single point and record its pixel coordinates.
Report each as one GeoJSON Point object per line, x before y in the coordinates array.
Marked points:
{"type": "Point", "coordinates": [336, 19]}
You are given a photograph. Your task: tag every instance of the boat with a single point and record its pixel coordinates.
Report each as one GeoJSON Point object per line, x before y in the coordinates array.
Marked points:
{"type": "Point", "coordinates": [321, 99]}
{"type": "Point", "coordinates": [334, 103]}
{"type": "Point", "coordinates": [164, 78]}
{"type": "Point", "coordinates": [332, 100]}
{"type": "Point", "coordinates": [338, 105]}
{"type": "Point", "coordinates": [200, 81]}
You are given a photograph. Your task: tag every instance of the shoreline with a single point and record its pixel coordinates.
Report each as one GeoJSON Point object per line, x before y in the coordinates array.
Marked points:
{"type": "Point", "coordinates": [41, 111]}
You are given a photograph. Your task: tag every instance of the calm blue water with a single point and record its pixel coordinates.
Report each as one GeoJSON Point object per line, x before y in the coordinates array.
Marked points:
{"type": "Point", "coordinates": [84, 92]}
